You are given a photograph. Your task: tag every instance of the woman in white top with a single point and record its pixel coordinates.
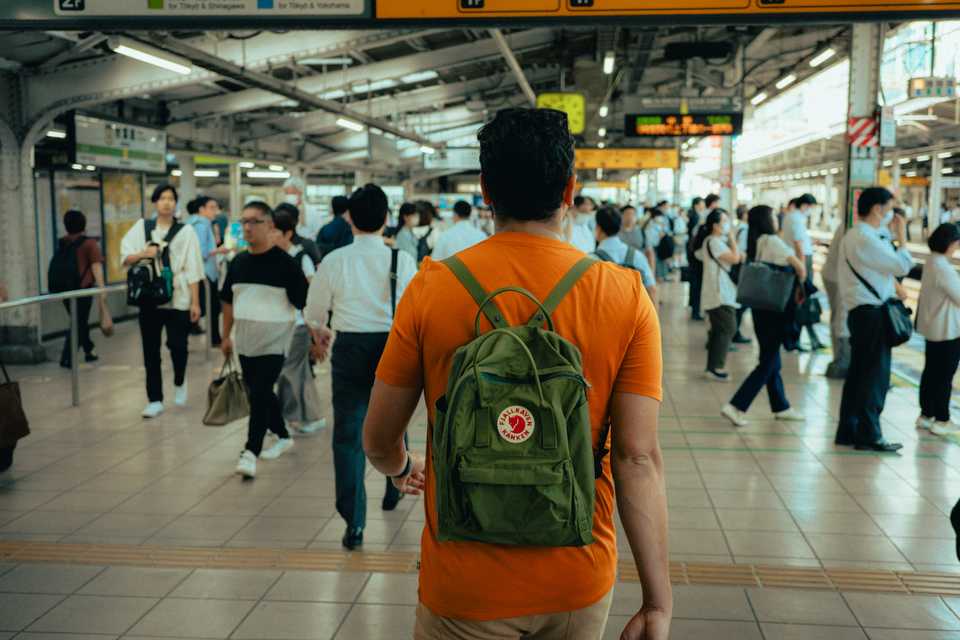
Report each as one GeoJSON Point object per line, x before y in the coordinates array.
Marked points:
{"type": "Point", "coordinates": [764, 245]}
{"type": "Point", "coordinates": [718, 296]}
{"type": "Point", "coordinates": [186, 263]}
{"type": "Point", "coordinates": [938, 320]}
{"type": "Point", "coordinates": [296, 387]}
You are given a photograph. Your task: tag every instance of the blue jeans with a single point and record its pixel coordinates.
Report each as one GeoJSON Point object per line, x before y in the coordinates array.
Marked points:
{"type": "Point", "coordinates": [769, 327]}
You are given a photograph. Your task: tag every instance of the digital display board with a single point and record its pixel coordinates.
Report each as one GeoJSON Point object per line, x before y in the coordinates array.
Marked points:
{"type": "Point", "coordinates": [691, 125]}
{"type": "Point", "coordinates": [627, 159]}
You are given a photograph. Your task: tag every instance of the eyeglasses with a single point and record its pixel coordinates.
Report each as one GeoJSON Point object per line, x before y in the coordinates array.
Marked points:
{"type": "Point", "coordinates": [251, 221]}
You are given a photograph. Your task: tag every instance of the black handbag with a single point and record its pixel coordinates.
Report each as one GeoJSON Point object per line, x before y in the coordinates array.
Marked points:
{"type": "Point", "coordinates": [809, 312]}
{"type": "Point", "coordinates": [896, 315]}
{"type": "Point", "coordinates": [13, 421]}
{"type": "Point", "coordinates": [765, 286]}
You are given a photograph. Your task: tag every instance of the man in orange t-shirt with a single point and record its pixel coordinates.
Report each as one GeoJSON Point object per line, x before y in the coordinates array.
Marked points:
{"type": "Point", "coordinates": [475, 590]}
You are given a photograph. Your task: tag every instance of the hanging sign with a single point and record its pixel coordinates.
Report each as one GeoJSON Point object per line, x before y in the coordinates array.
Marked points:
{"type": "Point", "coordinates": [627, 159]}
{"type": "Point", "coordinates": [683, 125]}
{"type": "Point", "coordinates": [119, 146]}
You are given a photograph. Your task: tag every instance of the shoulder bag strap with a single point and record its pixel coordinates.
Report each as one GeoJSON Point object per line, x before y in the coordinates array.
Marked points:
{"type": "Point", "coordinates": [603, 255]}
{"type": "Point", "coordinates": [563, 287]}
{"type": "Point", "coordinates": [476, 290]}
{"type": "Point", "coordinates": [394, 259]}
{"type": "Point", "coordinates": [865, 283]}
{"type": "Point", "coordinates": [168, 240]}
{"type": "Point", "coordinates": [148, 227]}
{"type": "Point", "coordinates": [631, 256]}
{"type": "Point", "coordinates": [5, 374]}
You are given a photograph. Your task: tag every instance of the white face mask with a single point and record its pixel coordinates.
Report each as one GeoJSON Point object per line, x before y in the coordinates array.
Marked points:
{"type": "Point", "coordinates": [291, 198]}
{"type": "Point", "coordinates": [725, 228]}
{"type": "Point", "coordinates": [887, 218]}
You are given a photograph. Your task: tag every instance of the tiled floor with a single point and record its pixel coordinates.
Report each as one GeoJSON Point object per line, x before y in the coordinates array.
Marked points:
{"type": "Point", "coordinates": [773, 493]}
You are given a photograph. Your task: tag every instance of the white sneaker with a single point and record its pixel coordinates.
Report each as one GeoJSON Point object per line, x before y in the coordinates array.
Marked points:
{"type": "Point", "coordinates": [924, 423]}
{"type": "Point", "coordinates": [789, 415]}
{"type": "Point", "coordinates": [152, 410]}
{"type": "Point", "coordinates": [312, 427]}
{"type": "Point", "coordinates": [180, 395]}
{"type": "Point", "coordinates": [247, 465]}
{"type": "Point", "coordinates": [734, 415]}
{"type": "Point", "coordinates": [279, 448]}
{"type": "Point", "coordinates": [948, 428]}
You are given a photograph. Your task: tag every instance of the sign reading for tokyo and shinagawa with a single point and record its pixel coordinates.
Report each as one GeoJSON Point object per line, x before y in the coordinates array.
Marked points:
{"type": "Point", "coordinates": [685, 125]}
{"type": "Point", "coordinates": [202, 8]}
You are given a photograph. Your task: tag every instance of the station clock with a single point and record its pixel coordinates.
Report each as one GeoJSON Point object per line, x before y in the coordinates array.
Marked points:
{"type": "Point", "coordinates": [572, 104]}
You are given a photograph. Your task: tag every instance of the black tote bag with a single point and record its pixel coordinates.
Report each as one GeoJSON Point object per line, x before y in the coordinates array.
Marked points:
{"type": "Point", "coordinates": [13, 421]}
{"type": "Point", "coordinates": [896, 315]}
{"type": "Point", "coordinates": [764, 286]}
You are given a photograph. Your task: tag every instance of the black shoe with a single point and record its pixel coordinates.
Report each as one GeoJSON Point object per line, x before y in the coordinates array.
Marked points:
{"type": "Point", "coordinates": [697, 317]}
{"type": "Point", "coordinates": [881, 446]}
{"type": "Point", "coordinates": [955, 521]}
{"type": "Point", "coordinates": [66, 364]}
{"type": "Point", "coordinates": [391, 500]}
{"type": "Point", "coordinates": [91, 357]}
{"type": "Point", "coordinates": [196, 330]}
{"type": "Point", "coordinates": [741, 339]}
{"type": "Point", "coordinates": [352, 538]}
{"type": "Point", "coordinates": [843, 443]}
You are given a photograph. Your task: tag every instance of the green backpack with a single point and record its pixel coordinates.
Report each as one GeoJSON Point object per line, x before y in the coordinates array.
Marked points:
{"type": "Point", "coordinates": [512, 442]}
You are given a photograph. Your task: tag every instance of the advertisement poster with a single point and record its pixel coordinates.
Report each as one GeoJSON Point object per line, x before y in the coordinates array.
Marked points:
{"type": "Point", "coordinates": [122, 207]}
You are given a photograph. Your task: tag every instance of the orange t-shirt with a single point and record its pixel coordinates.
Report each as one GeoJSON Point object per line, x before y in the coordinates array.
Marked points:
{"type": "Point", "coordinates": [610, 318]}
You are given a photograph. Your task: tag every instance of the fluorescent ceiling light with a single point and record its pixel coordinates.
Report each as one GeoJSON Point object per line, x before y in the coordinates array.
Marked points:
{"type": "Point", "coordinates": [601, 145]}
{"type": "Point", "coordinates": [923, 158]}
{"type": "Point", "coordinates": [602, 132]}
{"type": "Point", "coordinates": [822, 57]}
{"type": "Point", "coordinates": [604, 111]}
{"type": "Point", "coordinates": [206, 173]}
{"type": "Point", "coordinates": [77, 167]}
{"type": "Point", "coordinates": [946, 171]}
{"type": "Point", "coordinates": [888, 163]}
{"type": "Point", "coordinates": [90, 167]}
{"type": "Point", "coordinates": [176, 173]}
{"type": "Point", "coordinates": [904, 161]}
{"type": "Point", "coordinates": [324, 61]}
{"type": "Point", "coordinates": [945, 155]}
{"type": "Point", "coordinates": [835, 171]}
{"type": "Point", "coordinates": [786, 81]}
{"type": "Point", "coordinates": [268, 175]}
{"type": "Point", "coordinates": [150, 55]}
{"type": "Point", "coordinates": [917, 117]}
{"type": "Point", "coordinates": [246, 165]}
{"type": "Point", "coordinates": [608, 61]}
{"type": "Point", "coordinates": [428, 150]}
{"type": "Point", "coordinates": [56, 133]}
{"type": "Point", "coordinates": [276, 167]}
{"type": "Point", "coordinates": [336, 94]}
{"type": "Point", "coordinates": [420, 76]}
{"type": "Point", "coordinates": [911, 174]}
{"type": "Point", "coordinates": [757, 99]}
{"type": "Point", "coordinates": [353, 125]}
{"type": "Point", "coordinates": [376, 85]}
{"type": "Point", "coordinates": [824, 172]}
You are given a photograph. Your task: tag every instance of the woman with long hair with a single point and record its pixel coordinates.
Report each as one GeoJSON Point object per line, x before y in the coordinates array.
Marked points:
{"type": "Point", "coordinates": [717, 250]}
{"type": "Point", "coordinates": [764, 245]}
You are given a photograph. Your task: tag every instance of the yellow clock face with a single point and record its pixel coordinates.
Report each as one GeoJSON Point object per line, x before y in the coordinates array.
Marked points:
{"type": "Point", "coordinates": [573, 104]}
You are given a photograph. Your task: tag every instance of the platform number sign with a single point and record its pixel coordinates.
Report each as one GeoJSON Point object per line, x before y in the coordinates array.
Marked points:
{"type": "Point", "coordinates": [471, 4]}
{"type": "Point", "coordinates": [73, 5]}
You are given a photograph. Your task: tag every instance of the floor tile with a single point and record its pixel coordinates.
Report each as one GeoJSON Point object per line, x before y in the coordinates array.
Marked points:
{"type": "Point", "coordinates": [904, 634]}
{"type": "Point", "coordinates": [18, 610]}
{"type": "Point", "coordinates": [135, 581]}
{"type": "Point", "coordinates": [94, 614]}
{"type": "Point", "coordinates": [292, 621]}
{"type": "Point", "coordinates": [810, 632]}
{"type": "Point", "coordinates": [318, 586]}
{"type": "Point", "coordinates": [770, 544]}
{"type": "Point", "coordinates": [43, 578]}
{"type": "Point", "coordinates": [188, 618]}
{"type": "Point", "coordinates": [801, 607]}
{"type": "Point", "coordinates": [756, 520]}
{"type": "Point", "coordinates": [61, 522]}
{"type": "Point", "coordinates": [390, 588]}
{"type": "Point", "coordinates": [226, 584]}
{"type": "Point", "coordinates": [33, 635]}
{"type": "Point", "coordinates": [902, 612]}
{"type": "Point", "coordinates": [714, 630]}
{"type": "Point", "coordinates": [126, 525]}
{"type": "Point", "coordinates": [857, 548]}
{"type": "Point", "coordinates": [709, 603]}
{"type": "Point", "coordinates": [378, 622]}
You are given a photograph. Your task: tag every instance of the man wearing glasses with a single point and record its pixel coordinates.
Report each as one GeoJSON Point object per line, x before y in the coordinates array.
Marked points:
{"type": "Point", "coordinates": [263, 291]}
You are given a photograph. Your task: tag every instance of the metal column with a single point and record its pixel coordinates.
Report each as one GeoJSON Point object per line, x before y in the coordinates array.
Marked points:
{"type": "Point", "coordinates": [862, 161]}
{"type": "Point", "coordinates": [935, 197]}
{"type": "Point", "coordinates": [236, 201]}
{"type": "Point", "coordinates": [726, 173]}
{"type": "Point", "coordinates": [895, 173]}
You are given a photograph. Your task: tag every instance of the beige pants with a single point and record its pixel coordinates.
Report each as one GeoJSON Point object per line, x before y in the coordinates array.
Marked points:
{"type": "Point", "coordinates": [583, 624]}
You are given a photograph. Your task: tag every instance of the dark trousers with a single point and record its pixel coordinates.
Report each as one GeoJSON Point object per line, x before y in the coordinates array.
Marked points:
{"type": "Point", "coordinates": [83, 329]}
{"type": "Point", "coordinates": [769, 327]}
{"type": "Point", "coordinates": [214, 317]}
{"type": "Point", "coordinates": [811, 332]}
{"type": "Point", "coordinates": [740, 312]}
{"type": "Point", "coordinates": [723, 324]}
{"type": "Point", "coordinates": [354, 365]}
{"type": "Point", "coordinates": [260, 373]}
{"type": "Point", "coordinates": [696, 285]}
{"type": "Point", "coordinates": [152, 324]}
{"type": "Point", "coordinates": [936, 383]}
{"type": "Point", "coordinates": [867, 383]}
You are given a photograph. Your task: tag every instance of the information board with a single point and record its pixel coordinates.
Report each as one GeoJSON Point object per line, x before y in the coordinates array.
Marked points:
{"type": "Point", "coordinates": [627, 159]}
{"type": "Point", "coordinates": [205, 8]}
{"type": "Point", "coordinates": [686, 125]}
{"type": "Point", "coordinates": [115, 145]}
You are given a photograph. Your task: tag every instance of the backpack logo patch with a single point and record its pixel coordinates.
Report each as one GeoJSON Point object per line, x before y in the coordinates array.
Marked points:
{"type": "Point", "coordinates": [516, 424]}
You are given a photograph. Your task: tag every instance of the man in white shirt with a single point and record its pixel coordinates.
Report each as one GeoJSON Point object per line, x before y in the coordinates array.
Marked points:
{"type": "Point", "coordinates": [583, 224]}
{"type": "Point", "coordinates": [360, 284]}
{"type": "Point", "coordinates": [796, 235]}
{"type": "Point", "coordinates": [867, 259]}
{"type": "Point", "coordinates": [462, 235]}
{"type": "Point", "coordinates": [611, 248]}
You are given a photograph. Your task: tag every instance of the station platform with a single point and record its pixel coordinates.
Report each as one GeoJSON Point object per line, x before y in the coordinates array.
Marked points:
{"type": "Point", "coordinates": [112, 526]}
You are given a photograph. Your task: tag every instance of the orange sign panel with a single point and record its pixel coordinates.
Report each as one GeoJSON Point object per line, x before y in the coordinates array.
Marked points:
{"type": "Point", "coordinates": [627, 159]}
{"type": "Point", "coordinates": [423, 9]}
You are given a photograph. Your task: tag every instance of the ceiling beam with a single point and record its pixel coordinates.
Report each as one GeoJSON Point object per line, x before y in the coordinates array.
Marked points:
{"type": "Point", "coordinates": [514, 66]}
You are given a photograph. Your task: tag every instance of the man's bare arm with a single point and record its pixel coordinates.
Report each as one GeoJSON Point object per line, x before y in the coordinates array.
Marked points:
{"type": "Point", "coordinates": [642, 503]}
{"type": "Point", "coordinates": [388, 415]}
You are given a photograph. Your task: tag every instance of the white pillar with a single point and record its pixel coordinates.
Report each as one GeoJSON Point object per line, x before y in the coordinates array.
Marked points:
{"type": "Point", "coordinates": [652, 192]}
{"type": "Point", "coordinates": [188, 182]}
{"type": "Point", "coordinates": [895, 173]}
{"type": "Point", "coordinates": [936, 191]}
{"type": "Point", "coordinates": [828, 197]}
{"type": "Point", "coordinates": [236, 199]}
{"type": "Point", "coordinates": [676, 187]}
{"type": "Point", "coordinates": [864, 86]}
{"type": "Point", "coordinates": [726, 173]}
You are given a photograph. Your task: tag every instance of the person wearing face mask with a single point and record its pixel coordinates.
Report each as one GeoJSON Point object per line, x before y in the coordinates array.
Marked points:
{"type": "Point", "coordinates": [867, 259]}
{"type": "Point", "coordinates": [938, 320]}
{"type": "Point", "coordinates": [718, 252]}
{"type": "Point", "coordinates": [796, 235]}
{"type": "Point", "coordinates": [583, 223]}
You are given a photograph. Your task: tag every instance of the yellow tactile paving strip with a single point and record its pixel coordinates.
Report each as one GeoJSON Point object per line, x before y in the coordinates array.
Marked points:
{"type": "Point", "coordinates": [732, 575]}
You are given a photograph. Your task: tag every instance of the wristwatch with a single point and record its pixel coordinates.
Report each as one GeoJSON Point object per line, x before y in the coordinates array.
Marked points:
{"type": "Point", "coordinates": [407, 468]}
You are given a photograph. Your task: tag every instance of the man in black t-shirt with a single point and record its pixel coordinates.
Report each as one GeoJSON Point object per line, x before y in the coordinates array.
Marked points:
{"type": "Point", "coordinates": [261, 295]}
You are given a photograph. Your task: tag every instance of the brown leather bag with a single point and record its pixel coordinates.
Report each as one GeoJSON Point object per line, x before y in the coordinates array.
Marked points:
{"type": "Point", "coordinates": [13, 421]}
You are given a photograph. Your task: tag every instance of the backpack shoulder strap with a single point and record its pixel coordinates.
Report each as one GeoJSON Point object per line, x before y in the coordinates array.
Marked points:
{"type": "Point", "coordinates": [168, 240]}
{"type": "Point", "coordinates": [148, 227]}
{"type": "Point", "coordinates": [631, 256]}
{"type": "Point", "coordinates": [603, 255]}
{"type": "Point", "coordinates": [476, 290]}
{"type": "Point", "coordinates": [394, 259]}
{"type": "Point", "coordinates": [563, 287]}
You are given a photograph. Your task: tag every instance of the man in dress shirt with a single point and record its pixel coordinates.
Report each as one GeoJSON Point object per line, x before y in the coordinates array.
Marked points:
{"type": "Point", "coordinates": [354, 282]}
{"type": "Point", "coordinates": [583, 224]}
{"type": "Point", "coordinates": [796, 235]}
{"type": "Point", "coordinates": [612, 248]}
{"type": "Point", "coordinates": [462, 235]}
{"type": "Point", "coordinates": [864, 253]}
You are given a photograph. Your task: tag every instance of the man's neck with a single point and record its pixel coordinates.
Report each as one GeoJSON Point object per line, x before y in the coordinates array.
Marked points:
{"type": "Point", "coordinates": [164, 221]}
{"type": "Point", "coordinates": [261, 248]}
{"type": "Point", "coordinates": [545, 228]}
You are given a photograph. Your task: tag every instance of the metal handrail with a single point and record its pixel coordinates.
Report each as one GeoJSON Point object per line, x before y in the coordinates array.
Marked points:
{"type": "Point", "coordinates": [72, 297]}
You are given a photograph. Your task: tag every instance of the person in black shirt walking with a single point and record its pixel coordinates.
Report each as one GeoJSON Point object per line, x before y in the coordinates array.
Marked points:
{"type": "Point", "coordinates": [337, 233]}
{"type": "Point", "coordinates": [263, 291]}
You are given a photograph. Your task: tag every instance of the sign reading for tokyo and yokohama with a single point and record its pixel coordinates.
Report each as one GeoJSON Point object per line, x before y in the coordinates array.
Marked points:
{"type": "Point", "coordinates": [516, 424]}
{"type": "Point", "coordinates": [206, 8]}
